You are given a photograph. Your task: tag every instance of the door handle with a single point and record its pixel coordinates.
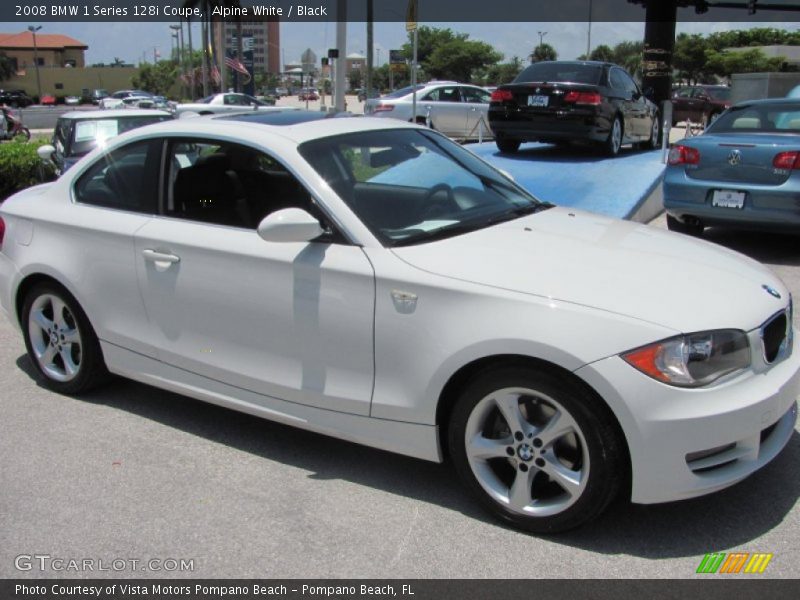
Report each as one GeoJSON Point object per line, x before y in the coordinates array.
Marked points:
{"type": "Point", "coordinates": [160, 257]}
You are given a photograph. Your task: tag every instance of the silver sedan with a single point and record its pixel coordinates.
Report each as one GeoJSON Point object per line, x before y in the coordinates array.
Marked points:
{"type": "Point", "coordinates": [458, 110]}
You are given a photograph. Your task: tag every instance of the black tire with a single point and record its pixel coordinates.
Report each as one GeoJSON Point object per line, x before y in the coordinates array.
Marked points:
{"type": "Point", "coordinates": [86, 359]}
{"type": "Point", "coordinates": [507, 145]}
{"type": "Point", "coordinates": [613, 143]}
{"type": "Point", "coordinates": [26, 133]}
{"type": "Point", "coordinates": [693, 229]}
{"type": "Point", "coordinates": [655, 134]}
{"type": "Point", "coordinates": [596, 450]}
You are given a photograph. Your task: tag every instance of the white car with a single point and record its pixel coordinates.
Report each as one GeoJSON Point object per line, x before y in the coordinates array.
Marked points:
{"type": "Point", "coordinates": [374, 281]}
{"type": "Point", "coordinates": [125, 99]}
{"type": "Point", "coordinates": [225, 103]}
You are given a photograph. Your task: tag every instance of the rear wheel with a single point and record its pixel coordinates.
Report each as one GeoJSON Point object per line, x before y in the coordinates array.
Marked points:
{"type": "Point", "coordinates": [655, 129]}
{"type": "Point", "coordinates": [694, 229]}
{"type": "Point", "coordinates": [613, 143]}
{"type": "Point", "coordinates": [535, 448]}
{"type": "Point", "coordinates": [507, 145]}
{"type": "Point", "coordinates": [60, 340]}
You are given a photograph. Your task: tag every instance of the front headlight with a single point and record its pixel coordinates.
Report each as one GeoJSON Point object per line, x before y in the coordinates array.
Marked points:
{"type": "Point", "coordinates": [693, 360]}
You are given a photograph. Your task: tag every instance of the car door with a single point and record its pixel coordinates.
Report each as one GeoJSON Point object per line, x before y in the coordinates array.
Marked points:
{"type": "Point", "coordinates": [632, 104]}
{"type": "Point", "coordinates": [114, 197]}
{"type": "Point", "coordinates": [446, 110]}
{"type": "Point", "coordinates": [477, 109]}
{"type": "Point", "coordinates": [288, 320]}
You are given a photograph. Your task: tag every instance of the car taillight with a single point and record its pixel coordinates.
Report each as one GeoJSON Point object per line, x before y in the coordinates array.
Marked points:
{"type": "Point", "coordinates": [684, 155]}
{"type": "Point", "coordinates": [501, 96]}
{"type": "Point", "coordinates": [2, 231]}
{"type": "Point", "coordinates": [787, 161]}
{"type": "Point", "coordinates": [590, 98]}
{"type": "Point", "coordinates": [384, 107]}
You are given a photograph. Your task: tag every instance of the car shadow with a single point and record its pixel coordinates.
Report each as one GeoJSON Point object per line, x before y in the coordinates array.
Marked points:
{"type": "Point", "coordinates": [768, 247]}
{"type": "Point", "coordinates": [726, 519]}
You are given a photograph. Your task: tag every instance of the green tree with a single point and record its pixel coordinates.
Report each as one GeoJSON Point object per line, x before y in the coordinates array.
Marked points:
{"type": "Point", "coordinates": [753, 60]}
{"type": "Point", "coordinates": [444, 54]}
{"type": "Point", "coordinates": [6, 67]}
{"type": "Point", "coordinates": [543, 52]}
{"type": "Point", "coordinates": [355, 78]}
{"type": "Point", "coordinates": [690, 58]}
{"type": "Point", "coordinates": [503, 72]}
{"type": "Point", "coordinates": [157, 78]}
{"type": "Point", "coordinates": [603, 53]}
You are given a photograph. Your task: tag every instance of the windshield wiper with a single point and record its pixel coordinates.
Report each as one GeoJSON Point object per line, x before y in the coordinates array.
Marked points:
{"type": "Point", "coordinates": [441, 233]}
{"type": "Point", "coordinates": [520, 211]}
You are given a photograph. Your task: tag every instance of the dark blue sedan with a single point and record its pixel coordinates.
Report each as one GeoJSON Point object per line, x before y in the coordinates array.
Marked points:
{"type": "Point", "coordinates": [744, 171]}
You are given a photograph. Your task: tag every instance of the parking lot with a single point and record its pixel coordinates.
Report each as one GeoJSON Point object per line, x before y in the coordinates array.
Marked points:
{"type": "Point", "coordinates": [133, 472]}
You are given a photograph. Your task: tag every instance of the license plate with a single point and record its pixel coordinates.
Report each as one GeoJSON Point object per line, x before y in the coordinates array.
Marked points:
{"type": "Point", "coordinates": [538, 100]}
{"type": "Point", "coordinates": [728, 199]}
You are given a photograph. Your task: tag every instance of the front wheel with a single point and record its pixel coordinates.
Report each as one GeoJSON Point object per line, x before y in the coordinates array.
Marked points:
{"type": "Point", "coordinates": [60, 340]}
{"type": "Point", "coordinates": [537, 450]}
{"type": "Point", "coordinates": [24, 132]}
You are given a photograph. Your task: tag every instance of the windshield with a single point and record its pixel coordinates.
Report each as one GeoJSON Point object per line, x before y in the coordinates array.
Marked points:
{"type": "Point", "coordinates": [411, 186]}
{"type": "Point", "coordinates": [561, 71]}
{"type": "Point", "coordinates": [720, 93]}
{"type": "Point", "coordinates": [91, 133]}
{"type": "Point", "coordinates": [758, 118]}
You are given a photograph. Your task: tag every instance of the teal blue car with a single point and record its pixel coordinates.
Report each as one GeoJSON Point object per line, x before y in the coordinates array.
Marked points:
{"type": "Point", "coordinates": [743, 172]}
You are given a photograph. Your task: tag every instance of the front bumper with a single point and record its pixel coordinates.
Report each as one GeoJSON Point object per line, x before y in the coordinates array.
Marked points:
{"type": "Point", "coordinates": [690, 442]}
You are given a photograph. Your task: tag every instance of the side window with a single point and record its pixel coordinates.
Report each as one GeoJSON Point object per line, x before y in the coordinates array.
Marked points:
{"type": "Point", "coordinates": [432, 96]}
{"type": "Point", "coordinates": [475, 96]}
{"type": "Point", "coordinates": [685, 93]}
{"type": "Point", "coordinates": [228, 184]}
{"type": "Point", "coordinates": [616, 80]}
{"type": "Point", "coordinates": [231, 100]}
{"type": "Point", "coordinates": [125, 179]}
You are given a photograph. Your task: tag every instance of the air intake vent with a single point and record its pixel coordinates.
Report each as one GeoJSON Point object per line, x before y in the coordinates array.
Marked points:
{"type": "Point", "coordinates": [773, 336]}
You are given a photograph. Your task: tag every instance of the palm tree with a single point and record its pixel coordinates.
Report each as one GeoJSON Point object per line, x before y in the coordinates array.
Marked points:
{"type": "Point", "coordinates": [543, 52]}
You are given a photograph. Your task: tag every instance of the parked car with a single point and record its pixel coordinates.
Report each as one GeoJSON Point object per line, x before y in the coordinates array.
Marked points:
{"type": "Point", "coordinates": [72, 100]}
{"type": "Point", "coordinates": [15, 98]}
{"type": "Point", "coordinates": [408, 297]}
{"type": "Point", "coordinates": [744, 171]}
{"type": "Point", "coordinates": [308, 94]}
{"type": "Point", "coordinates": [48, 100]}
{"type": "Point", "coordinates": [559, 102]}
{"type": "Point", "coordinates": [281, 92]}
{"type": "Point", "coordinates": [79, 132]}
{"type": "Point", "coordinates": [361, 93]}
{"type": "Point", "coordinates": [225, 103]}
{"type": "Point", "coordinates": [700, 103]}
{"type": "Point", "coordinates": [453, 108]}
{"type": "Point", "coordinates": [115, 100]}
{"type": "Point", "coordinates": [97, 95]}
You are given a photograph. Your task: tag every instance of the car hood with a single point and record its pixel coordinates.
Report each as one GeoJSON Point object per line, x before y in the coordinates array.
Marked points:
{"type": "Point", "coordinates": [642, 272]}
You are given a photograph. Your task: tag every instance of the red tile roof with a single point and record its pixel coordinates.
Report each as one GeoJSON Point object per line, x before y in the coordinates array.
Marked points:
{"type": "Point", "coordinates": [24, 41]}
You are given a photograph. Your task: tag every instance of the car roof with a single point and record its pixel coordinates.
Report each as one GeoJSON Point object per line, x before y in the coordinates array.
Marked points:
{"type": "Point", "coordinates": [286, 124]}
{"type": "Point", "coordinates": [769, 101]}
{"type": "Point", "coordinates": [112, 114]}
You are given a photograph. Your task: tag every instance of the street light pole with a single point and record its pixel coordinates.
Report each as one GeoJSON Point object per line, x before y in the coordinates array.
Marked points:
{"type": "Point", "coordinates": [33, 30]}
{"type": "Point", "coordinates": [589, 35]}
{"type": "Point", "coordinates": [541, 36]}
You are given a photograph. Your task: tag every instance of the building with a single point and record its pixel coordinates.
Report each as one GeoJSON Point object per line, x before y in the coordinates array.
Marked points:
{"type": "Point", "coordinates": [266, 42]}
{"type": "Point", "coordinates": [355, 62]}
{"type": "Point", "coordinates": [52, 50]}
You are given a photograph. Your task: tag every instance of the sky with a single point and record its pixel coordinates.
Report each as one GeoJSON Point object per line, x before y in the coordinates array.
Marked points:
{"type": "Point", "coordinates": [134, 42]}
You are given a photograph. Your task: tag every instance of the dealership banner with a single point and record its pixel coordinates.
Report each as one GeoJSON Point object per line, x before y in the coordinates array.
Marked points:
{"type": "Point", "coordinates": [406, 589]}
{"type": "Point", "coordinates": [427, 11]}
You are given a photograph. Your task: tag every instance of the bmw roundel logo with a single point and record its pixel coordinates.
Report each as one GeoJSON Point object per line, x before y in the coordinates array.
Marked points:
{"type": "Point", "coordinates": [771, 291]}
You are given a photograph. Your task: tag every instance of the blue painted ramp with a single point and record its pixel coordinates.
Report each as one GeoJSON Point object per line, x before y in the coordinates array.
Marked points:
{"type": "Point", "coordinates": [582, 178]}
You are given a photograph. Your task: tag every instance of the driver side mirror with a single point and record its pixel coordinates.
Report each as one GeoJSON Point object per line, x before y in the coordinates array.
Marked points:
{"type": "Point", "coordinates": [289, 225]}
{"type": "Point", "coordinates": [46, 152]}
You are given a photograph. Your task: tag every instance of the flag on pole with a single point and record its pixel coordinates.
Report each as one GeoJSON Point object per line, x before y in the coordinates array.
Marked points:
{"type": "Point", "coordinates": [236, 65]}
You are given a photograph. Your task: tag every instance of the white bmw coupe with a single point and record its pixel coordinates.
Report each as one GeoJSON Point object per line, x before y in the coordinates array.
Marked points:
{"type": "Point", "coordinates": [372, 280]}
